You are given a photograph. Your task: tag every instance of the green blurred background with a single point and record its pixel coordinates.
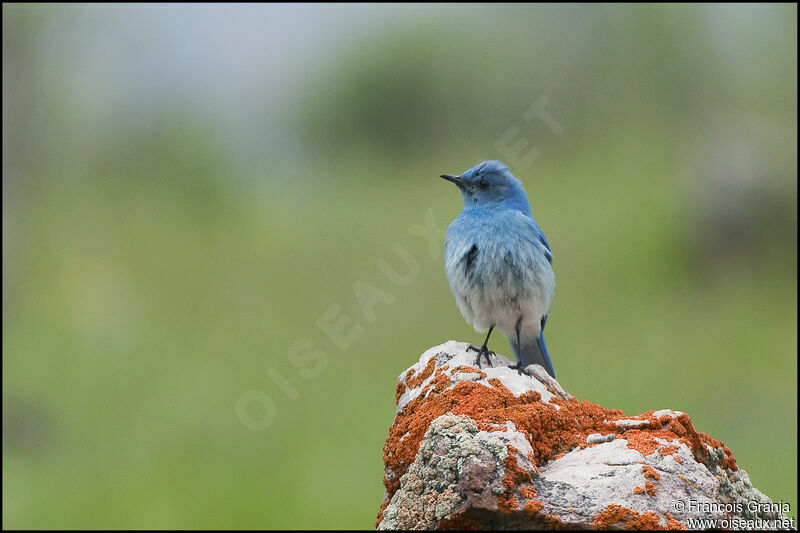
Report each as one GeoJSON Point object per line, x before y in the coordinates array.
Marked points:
{"type": "Point", "coordinates": [189, 191]}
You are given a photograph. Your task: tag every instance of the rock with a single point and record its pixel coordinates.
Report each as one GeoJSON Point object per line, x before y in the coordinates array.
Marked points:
{"type": "Point", "coordinates": [491, 448]}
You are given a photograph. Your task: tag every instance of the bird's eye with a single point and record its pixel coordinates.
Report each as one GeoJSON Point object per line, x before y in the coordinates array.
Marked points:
{"type": "Point", "coordinates": [483, 184]}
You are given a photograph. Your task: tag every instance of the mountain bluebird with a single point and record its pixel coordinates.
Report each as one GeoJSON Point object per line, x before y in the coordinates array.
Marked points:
{"type": "Point", "coordinates": [499, 264]}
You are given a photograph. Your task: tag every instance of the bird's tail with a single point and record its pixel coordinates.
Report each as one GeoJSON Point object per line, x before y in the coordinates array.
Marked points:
{"type": "Point", "coordinates": [533, 351]}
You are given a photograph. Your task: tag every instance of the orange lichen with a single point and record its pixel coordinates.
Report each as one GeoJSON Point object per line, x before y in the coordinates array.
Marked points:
{"type": "Point", "coordinates": [614, 514]}
{"type": "Point", "coordinates": [440, 382]}
{"type": "Point", "coordinates": [399, 390]}
{"type": "Point", "coordinates": [553, 521]}
{"type": "Point", "coordinates": [494, 382]}
{"type": "Point", "coordinates": [668, 450]}
{"type": "Point", "coordinates": [647, 520]}
{"type": "Point", "coordinates": [676, 427]}
{"type": "Point", "coordinates": [533, 507]}
{"type": "Point", "coordinates": [415, 381]}
{"type": "Point", "coordinates": [650, 488]}
{"type": "Point", "coordinates": [507, 504]}
{"type": "Point", "coordinates": [528, 492]}
{"type": "Point", "coordinates": [672, 523]}
{"type": "Point", "coordinates": [678, 459]}
{"type": "Point", "coordinates": [665, 418]}
{"type": "Point", "coordinates": [530, 396]}
{"type": "Point", "coordinates": [638, 490]}
{"type": "Point", "coordinates": [650, 472]}
{"type": "Point", "coordinates": [611, 515]}
{"type": "Point", "coordinates": [468, 370]}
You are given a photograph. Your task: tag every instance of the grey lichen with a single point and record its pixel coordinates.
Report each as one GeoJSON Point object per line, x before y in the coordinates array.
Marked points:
{"type": "Point", "coordinates": [450, 447]}
{"type": "Point", "coordinates": [735, 487]}
{"type": "Point", "coordinates": [494, 445]}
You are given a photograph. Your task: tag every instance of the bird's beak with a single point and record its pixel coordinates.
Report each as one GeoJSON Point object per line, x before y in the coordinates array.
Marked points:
{"type": "Point", "coordinates": [454, 179]}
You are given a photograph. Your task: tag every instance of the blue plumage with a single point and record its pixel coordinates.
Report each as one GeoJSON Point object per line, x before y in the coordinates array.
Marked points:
{"type": "Point", "coordinates": [499, 264]}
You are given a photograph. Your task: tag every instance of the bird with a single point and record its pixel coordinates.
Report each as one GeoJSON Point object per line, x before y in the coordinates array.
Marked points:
{"type": "Point", "coordinates": [499, 264]}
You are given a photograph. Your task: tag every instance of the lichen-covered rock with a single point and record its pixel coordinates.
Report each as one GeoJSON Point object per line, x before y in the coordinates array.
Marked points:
{"type": "Point", "coordinates": [490, 448]}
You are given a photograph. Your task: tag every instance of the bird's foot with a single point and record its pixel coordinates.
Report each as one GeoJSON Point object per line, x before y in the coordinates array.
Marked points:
{"type": "Point", "coordinates": [518, 369]}
{"type": "Point", "coordinates": [483, 351]}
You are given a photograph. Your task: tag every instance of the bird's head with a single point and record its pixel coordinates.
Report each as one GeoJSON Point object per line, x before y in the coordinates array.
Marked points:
{"type": "Point", "coordinates": [490, 184]}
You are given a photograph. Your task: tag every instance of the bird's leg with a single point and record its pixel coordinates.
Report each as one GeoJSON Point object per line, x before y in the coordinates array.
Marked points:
{"type": "Point", "coordinates": [483, 350]}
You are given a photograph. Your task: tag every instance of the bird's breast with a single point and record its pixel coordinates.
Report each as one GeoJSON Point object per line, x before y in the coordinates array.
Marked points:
{"type": "Point", "coordinates": [500, 266]}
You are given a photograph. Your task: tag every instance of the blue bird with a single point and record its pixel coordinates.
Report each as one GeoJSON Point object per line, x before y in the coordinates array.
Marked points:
{"type": "Point", "coordinates": [499, 263]}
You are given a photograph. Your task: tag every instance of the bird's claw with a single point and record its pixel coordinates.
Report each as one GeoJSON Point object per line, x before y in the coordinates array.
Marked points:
{"type": "Point", "coordinates": [518, 369]}
{"type": "Point", "coordinates": [483, 351]}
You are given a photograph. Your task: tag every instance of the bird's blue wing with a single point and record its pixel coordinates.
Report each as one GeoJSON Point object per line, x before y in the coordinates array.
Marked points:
{"type": "Point", "coordinates": [543, 240]}
{"type": "Point", "coordinates": [546, 245]}
{"type": "Point", "coordinates": [548, 254]}
{"type": "Point", "coordinates": [538, 235]}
